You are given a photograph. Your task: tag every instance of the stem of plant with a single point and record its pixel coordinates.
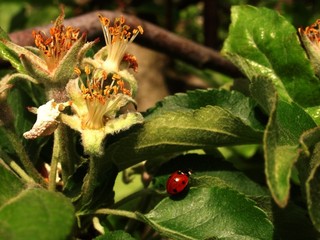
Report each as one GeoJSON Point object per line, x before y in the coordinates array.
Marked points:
{"type": "Point", "coordinates": [24, 158]}
{"type": "Point", "coordinates": [21, 172]}
{"type": "Point", "coordinates": [98, 183]}
{"type": "Point", "coordinates": [61, 153]}
{"type": "Point", "coordinates": [116, 212]}
{"type": "Point", "coordinates": [91, 180]}
{"type": "Point", "coordinates": [53, 173]}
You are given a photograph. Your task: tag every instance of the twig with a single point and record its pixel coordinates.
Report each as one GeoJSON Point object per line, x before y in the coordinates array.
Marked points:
{"type": "Point", "coordinates": [154, 37]}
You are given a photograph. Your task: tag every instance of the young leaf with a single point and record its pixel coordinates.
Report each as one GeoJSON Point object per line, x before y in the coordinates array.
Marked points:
{"type": "Point", "coordinates": [7, 54]}
{"type": "Point", "coordinates": [20, 97]}
{"type": "Point", "coordinates": [36, 214]}
{"type": "Point", "coordinates": [210, 213]}
{"type": "Point", "coordinates": [232, 101]}
{"type": "Point", "coordinates": [264, 44]}
{"type": "Point", "coordinates": [309, 172]}
{"type": "Point", "coordinates": [281, 140]}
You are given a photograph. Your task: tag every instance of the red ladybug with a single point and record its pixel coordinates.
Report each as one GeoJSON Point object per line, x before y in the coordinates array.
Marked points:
{"type": "Point", "coordinates": [177, 182]}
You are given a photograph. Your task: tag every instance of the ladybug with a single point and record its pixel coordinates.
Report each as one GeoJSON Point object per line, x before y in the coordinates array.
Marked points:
{"type": "Point", "coordinates": [177, 182]}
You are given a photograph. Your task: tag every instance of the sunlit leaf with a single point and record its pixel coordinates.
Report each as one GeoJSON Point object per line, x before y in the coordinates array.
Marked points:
{"type": "Point", "coordinates": [196, 120]}
{"type": "Point", "coordinates": [286, 124]}
{"type": "Point", "coordinates": [262, 43]}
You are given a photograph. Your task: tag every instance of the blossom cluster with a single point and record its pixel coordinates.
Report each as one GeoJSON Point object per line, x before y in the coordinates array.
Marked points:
{"type": "Point", "coordinates": [99, 89]}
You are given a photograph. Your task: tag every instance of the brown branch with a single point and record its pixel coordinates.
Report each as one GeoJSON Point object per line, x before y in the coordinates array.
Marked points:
{"type": "Point", "coordinates": [154, 37]}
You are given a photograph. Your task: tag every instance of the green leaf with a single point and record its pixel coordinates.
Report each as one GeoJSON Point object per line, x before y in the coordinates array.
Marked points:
{"type": "Point", "coordinates": [195, 120]}
{"type": "Point", "coordinates": [97, 189]}
{"type": "Point", "coordinates": [207, 166]}
{"type": "Point", "coordinates": [8, 54]}
{"type": "Point", "coordinates": [5, 144]}
{"type": "Point", "coordinates": [281, 140]}
{"type": "Point", "coordinates": [181, 130]}
{"type": "Point", "coordinates": [309, 172]}
{"type": "Point", "coordinates": [37, 214]}
{"type": "Point", "coordinates": [232, 101]}
{"type": "Point", "coordinates": [115, 235]}
{"type": "Point", "coordinates": [20, 97]}
{"type": "Point", "coordinates": [264, 44]}
{"type": "Point", "coordinates": [263, 91]}
{"type": "Point", "coordinates": [73, 185]}
{"type": "Point", "coordinates": [10, 184]}
{"type": "Point", "coordinates": [314, 112]}
{"type": "Point", "coordinates": [210, 213]}
{"type": "Point", "coordinates": [18, 100]}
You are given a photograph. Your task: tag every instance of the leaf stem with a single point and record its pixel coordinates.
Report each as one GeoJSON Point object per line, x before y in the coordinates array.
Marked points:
{"type": "Point", "coordinates": [21, 172]}
{"type": "Point", "coordinates": [24, 158]}
{"type": "Point", "coordinates": [122, 213]}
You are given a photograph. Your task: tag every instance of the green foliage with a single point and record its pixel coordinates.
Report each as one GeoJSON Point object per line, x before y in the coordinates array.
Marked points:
{"type": "Point", "coordinates": [21, 216]}
{"type": "Point", "coordinates": [271, 193]}
{"type": "Point", "coordinates": [271, 50]}
{"type": "Point", "coordinates": [115, 235]}
{"type": "Point", "coordinates": [23, 209]}
{"type": "Point", "coordinates": [11, 185]}
{"type": "Point", "coordinates": [196, 120]}
{"type": "Point", "coordinates": [210, 212]}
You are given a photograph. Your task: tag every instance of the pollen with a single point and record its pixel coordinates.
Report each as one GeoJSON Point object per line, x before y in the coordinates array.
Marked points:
{"type": "Point", "coordinates": [102, 92]}
{"type": "Point", "coordinates": [102, 87]}
{"type": "Point", "coordinates": [132, 61]}
{"type": "Point", "coordinates": [118, 36]}
{"type": "Point", "coordinates": [55, 45]}
{"type": "Point", "coordinates": [312, 32]}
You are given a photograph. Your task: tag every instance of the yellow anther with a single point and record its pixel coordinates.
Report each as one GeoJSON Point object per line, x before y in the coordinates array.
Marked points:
{"type": "Point", "coordinates": [77, 71]}
{"type": "Point", "coordinates": [87, 70]}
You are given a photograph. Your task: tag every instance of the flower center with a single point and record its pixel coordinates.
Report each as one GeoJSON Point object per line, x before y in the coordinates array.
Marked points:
{"type": "Point", "coordinates": [312, 32]}
{"type": "Point", "coordinates": [117, 38]}
{"type": "Point", "coordinates": [102, 93]}
{"type": "Point", "coordinates": [55, 46]}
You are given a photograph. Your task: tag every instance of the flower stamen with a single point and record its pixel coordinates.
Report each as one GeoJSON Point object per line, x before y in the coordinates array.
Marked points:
{"type": "Point", "coordinates": [99, 93]}
{"type": "Point", "coordinates": [117, 38]}
{"type": "Point", "coordinates": [56, 45]}
{"type": "Point", "coordinates": [312, 32]}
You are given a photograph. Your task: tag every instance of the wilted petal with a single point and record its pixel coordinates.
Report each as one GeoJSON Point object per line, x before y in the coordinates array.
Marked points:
{"type": "Point", "coordinates": [46, 122]}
